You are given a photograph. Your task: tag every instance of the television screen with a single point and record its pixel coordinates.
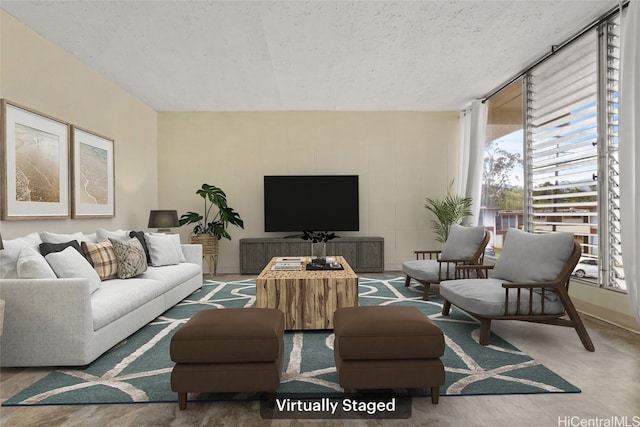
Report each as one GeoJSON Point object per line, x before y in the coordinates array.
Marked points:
{"type": "Point", "coordinates": [311, 202]}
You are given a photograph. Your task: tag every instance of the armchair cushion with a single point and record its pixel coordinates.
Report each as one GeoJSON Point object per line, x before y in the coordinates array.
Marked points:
{"type": "Point", "coordinates": [463, 242]}
{"type": "Point", "coordinates": [425, 270]}
{"type": "Point", "coordinates": [486, 297]}
{"type": "Point", "coordinates": [529, 257]}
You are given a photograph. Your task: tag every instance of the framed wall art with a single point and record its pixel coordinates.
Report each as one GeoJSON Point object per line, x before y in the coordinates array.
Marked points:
{"type": "Point", "coordinates": [35, 162]}
{"type": "Point", "coordinates": [92, 175]}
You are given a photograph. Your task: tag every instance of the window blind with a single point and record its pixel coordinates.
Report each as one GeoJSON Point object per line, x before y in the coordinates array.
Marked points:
{"type": "Point", "coordinates": [571, 147]}
{"type": "Point", "coordinates": [562, 134]}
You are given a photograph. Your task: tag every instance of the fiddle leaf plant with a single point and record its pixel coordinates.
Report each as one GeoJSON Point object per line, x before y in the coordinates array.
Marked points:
{"type": "Point", "coordinates": [453, 209]}
{"type": "Point", "coordinates": [208, 223]}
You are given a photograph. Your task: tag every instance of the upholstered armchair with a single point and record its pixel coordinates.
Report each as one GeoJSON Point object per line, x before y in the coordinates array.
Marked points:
{"type": "Point", "coordinates": [465, 245]}
{"type": "Point", "coordinates": [530, 282]}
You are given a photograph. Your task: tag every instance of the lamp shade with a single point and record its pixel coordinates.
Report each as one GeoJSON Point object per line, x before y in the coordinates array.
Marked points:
{"type": "Point", "coordinates": [163, 219]}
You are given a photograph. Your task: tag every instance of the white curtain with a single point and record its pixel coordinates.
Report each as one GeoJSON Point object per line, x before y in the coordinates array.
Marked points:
{"type": "Point", "coordinates": [629, 132]}
{"type": "Point", "coordinates": [473, 131]}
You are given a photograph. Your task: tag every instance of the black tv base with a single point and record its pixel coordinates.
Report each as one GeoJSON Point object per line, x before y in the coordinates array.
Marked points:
{"type": "Point", "coordinates": [364, 254]}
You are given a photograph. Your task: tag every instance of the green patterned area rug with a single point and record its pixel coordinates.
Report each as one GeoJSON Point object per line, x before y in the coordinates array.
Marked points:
{"type": "Point", "coordinates": [138, 370]}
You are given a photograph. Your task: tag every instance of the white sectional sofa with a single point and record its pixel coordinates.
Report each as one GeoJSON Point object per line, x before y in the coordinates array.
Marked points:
{"type": "Point", "coordinates": [71, 321]}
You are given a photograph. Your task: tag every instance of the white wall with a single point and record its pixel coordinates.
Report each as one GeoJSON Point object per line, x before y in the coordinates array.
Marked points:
{"type": "Point", "coordinates": [401, 158]}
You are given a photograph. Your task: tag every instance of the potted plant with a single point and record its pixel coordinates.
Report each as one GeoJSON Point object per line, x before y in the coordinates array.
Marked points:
{"type": "Point", "coordinates": [216, 225]}
{"type": "Point", "coordinates": [453, 209]}
{"type": "Point", "coordinates": [211, 228]}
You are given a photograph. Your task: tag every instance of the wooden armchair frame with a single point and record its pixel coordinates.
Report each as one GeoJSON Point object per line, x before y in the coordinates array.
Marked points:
{"type": "Point", "coordinates": [561, 288]}
{"type": "Point", "coordinates": [451, 264]}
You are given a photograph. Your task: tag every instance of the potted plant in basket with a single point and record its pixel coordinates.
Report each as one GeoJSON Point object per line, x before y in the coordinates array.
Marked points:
{"type": "Point", "coordinates": [211, 228]}
{"type": "Point", "coordinates": [453, 209]}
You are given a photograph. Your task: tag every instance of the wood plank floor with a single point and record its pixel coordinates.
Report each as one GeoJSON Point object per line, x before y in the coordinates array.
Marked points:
{"type": "Point", "coordinates": [609, 379]}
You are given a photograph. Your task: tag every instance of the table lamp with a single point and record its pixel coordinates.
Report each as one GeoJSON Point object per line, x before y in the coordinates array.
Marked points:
{"type": "Point", "coordinates": [163, 220]}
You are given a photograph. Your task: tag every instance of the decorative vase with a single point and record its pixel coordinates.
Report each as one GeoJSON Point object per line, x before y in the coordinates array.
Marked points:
{"type": "Point", "coordinates": [319, 252]}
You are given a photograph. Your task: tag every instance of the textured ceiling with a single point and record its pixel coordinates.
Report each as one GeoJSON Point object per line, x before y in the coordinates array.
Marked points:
{"type": "Point", "coordinates": [307, 55]}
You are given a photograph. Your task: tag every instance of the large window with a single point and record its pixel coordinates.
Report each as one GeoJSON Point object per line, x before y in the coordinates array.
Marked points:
{"type": "Point", "coordinates": [571, 147]}
{"type": "Point", "coordinates": [551, 157]}
{"type": "Point", "coordinates": [501, 204]}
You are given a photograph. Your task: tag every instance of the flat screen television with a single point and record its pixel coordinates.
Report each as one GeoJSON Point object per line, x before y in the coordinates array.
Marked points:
{"type": "Point", "coordinates": [311, 202]}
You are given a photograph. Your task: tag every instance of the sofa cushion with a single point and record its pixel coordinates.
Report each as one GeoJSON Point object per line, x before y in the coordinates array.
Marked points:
{"type": "Point", "coordinates": [162, 249]}
{"type": "Point", "coordinates": [463, 242]}
{"type": "Point", "coordinates": [170, 276]}
{"type": "Point", "coordinates": [115, 234]}
{"type": "Point", "coordinates": [486, 297]}
{"type": "Point", "coordinates": [118, 297]}
{"type": "Point", "coordinates": [32, 265]}
{"type": "Point", "coordinates": [102, 257]}
{"type": "Point", "coordinates": [62, 238]}
{"type": "Point", "coordinates": [70, 264]}
{"type": "Point", "coordinates": [11, 253]}
{"type": "Point", "coordinates": [530, 257]}
{"type": "Point", "coordinates": [130, 256]}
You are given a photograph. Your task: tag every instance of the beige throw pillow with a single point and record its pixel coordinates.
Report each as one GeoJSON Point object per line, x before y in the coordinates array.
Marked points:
{"type": "Point", "coordinates": [131, 257]}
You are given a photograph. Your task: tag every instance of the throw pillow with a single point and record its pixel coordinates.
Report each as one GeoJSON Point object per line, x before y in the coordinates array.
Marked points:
{"type": "Point", "coordinates": [101, 256]}
{"type": "Point", "coordinates": [175, 238]}
{"type": "Point", "coordinates": [70, 264]}
{"type": "Point", "coordinates": [116, 234]}
{"type": "Point", "coordinates": [531, 257]}
{"type": "Point", "coordinates": [47, 248]}
{"type": "Point", "coordinates": [162, 249]}
{"type": "Point", "coordinates": [32, 265]}
{"type": "Point", "coordinates": [140, 236]}
{"type": "Point", "coordinates": [463, 242]}
{"type": "Point", "coordinates": [11, 253]}
{"type": "Point", "coordinates": [131, 258]}
{"type": "Point", "coordinates": [176, 242]}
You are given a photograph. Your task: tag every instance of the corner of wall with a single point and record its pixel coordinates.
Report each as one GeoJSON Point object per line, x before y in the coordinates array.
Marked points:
{"type": "Point", "coordinates": [603, 304]}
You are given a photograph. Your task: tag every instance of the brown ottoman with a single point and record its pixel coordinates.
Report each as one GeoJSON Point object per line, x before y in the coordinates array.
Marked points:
{"type": "Point", "coordinates": [228, 350]}
{"type": "Point", "coordinates": [387, 347]}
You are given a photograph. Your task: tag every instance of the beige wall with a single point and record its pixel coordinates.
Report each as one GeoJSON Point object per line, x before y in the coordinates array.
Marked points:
{"type": "Point", "coordinates": [401, 157]}
{"type": "Point", "coordinates": [40, 75]}
{"type": "Point", "coordinates": [604, 304]}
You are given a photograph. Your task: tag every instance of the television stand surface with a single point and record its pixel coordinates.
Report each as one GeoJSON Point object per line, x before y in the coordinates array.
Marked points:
{"type": "Point", "coordinates": [363, 254]}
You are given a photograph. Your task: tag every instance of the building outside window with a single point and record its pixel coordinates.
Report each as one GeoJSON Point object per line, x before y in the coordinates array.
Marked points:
{"type": "Point", "coordinates": [502, 200]}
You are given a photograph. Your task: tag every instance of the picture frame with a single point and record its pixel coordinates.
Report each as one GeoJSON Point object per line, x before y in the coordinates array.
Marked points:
{"type": "Point", "coordinates": [34, 154]}
{"type": "Point", "coordinates": [93, 174]}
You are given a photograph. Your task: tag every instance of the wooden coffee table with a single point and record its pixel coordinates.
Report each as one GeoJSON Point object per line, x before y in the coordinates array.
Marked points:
{"type": "Point", "coordinates": [308, 299]}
